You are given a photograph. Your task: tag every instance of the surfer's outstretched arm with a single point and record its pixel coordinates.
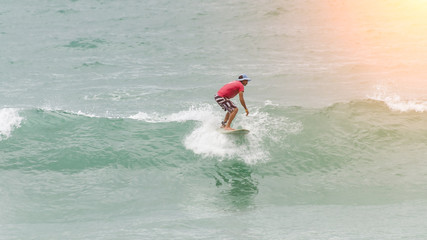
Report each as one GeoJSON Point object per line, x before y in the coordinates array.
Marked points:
{"type": "Point", "coordinates": [242, 101]}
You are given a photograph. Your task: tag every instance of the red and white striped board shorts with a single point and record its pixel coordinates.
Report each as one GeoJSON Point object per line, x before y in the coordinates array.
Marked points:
{"type": "Point", "coordinates": [225, 103]}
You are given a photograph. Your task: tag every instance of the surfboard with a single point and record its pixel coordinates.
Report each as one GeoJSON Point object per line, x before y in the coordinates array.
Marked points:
{"type": "Point", "coordinates": [234, 132]}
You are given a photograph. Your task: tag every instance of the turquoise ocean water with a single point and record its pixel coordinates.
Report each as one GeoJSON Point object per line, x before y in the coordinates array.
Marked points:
{"type": "Point", "coordinates": [108, 123]}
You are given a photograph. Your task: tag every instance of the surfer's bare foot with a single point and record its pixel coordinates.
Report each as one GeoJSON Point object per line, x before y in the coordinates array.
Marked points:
{"type": "Point", "coordinates": [229, 128]}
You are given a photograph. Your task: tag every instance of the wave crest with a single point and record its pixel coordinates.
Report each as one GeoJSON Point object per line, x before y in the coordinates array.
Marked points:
{"type": "Point", "coordinates": [9, 120]}
{"type": "Point", "coordinates": [396, 103]}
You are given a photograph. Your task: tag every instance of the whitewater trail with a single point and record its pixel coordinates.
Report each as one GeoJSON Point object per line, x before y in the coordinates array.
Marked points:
{"type": "Point", "coordinates": [206, 141]}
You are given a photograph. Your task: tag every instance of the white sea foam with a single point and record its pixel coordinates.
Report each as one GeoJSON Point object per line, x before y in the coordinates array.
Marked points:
{"type": "Point", "coordinates": [193, 113]}
{"type": "Point", "coordinates": [80, 113]}
{"type": "Point", "coordinates": [404, 106]}
{"type": "Point", "coordinates": [396, 103]}
{"type": "Point", "coordinates": [49, 108]}
{"type": "Point", "coordinates": [152, 118]}
{"type": "Point", "coordinates": [205, 140]}
{"type": "Point", "coordinates": [9, 120]}
{"type": "Point", "coordinates": [270, 103]}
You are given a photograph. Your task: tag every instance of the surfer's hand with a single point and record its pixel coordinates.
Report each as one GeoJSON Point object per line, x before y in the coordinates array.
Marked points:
{"type": "Point", "coordinates": [247, 112]}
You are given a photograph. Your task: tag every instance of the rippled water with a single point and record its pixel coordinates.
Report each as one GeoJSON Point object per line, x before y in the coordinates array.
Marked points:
{"type": "Point", "coordinates": [108, 123]}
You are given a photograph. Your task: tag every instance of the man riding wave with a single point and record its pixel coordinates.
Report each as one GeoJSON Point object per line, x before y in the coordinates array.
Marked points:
{"type": "Point", "coordinates": [228, 91]}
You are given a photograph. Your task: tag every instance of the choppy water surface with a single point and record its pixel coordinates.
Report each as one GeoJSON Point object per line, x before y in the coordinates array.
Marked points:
{"type": "Point", "coordinates": [108, 123]}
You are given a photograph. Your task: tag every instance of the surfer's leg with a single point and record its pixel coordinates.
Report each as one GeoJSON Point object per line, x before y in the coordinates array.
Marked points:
{"type": "Point", "coordinates": [223, 123]}
{"type": "Point", "coordinates": [230, 108]}
{"type": "Point", "coordinates": [225, 119]}
{"type": "Point", "coordinates": [231, 118]}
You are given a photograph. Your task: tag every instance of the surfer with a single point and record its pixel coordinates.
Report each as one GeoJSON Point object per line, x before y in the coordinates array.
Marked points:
{"type": "Point", "coordinates": [230, 90]}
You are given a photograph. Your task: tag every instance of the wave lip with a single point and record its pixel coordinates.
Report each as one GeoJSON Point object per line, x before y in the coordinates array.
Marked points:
{"type": "Point", "coordinates": [396, 103]}
{"type": "Point", "coordinates": [194, 113]}
{"type": "Point", "coordinates": [9, 120]}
